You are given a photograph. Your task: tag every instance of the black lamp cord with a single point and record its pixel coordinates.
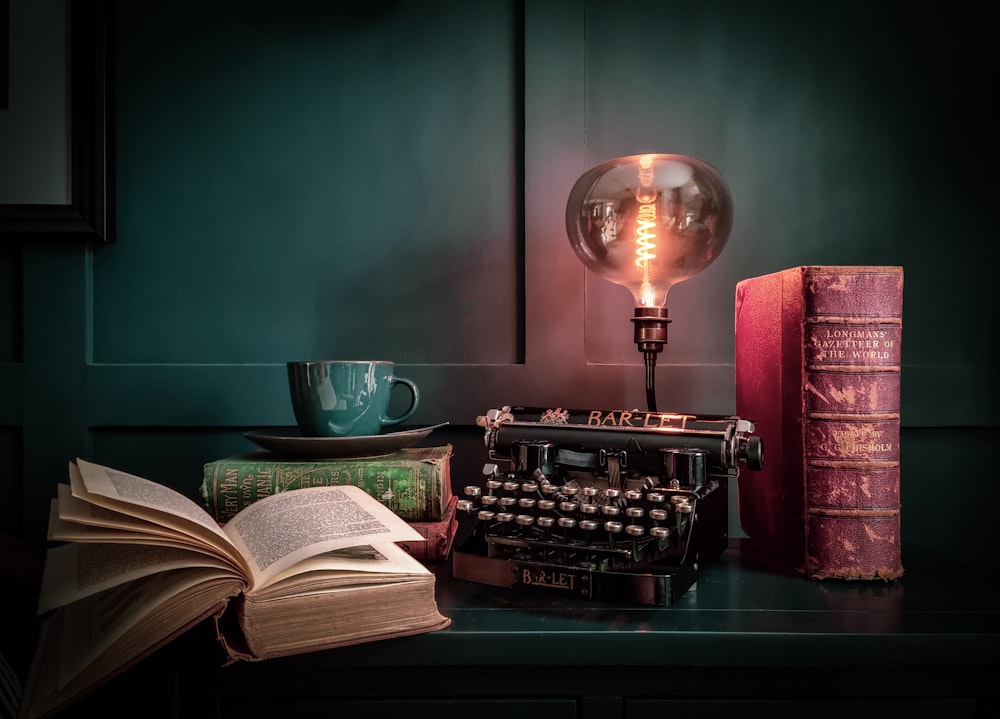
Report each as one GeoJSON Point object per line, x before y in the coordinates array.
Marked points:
{"type": "Point", "coordinates": [649, 359]}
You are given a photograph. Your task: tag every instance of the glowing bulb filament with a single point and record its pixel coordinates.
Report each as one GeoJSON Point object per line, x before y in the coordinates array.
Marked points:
{"type": "Point", "coordinates": [645, 244]}
{"type": "Point", "coordinates": [645, 231]}
{"type": "Point", "coordinates": [645, 236]}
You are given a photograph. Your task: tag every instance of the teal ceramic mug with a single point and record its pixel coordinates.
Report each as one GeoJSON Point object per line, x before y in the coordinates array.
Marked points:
{"type": "Point", "coordinates": [344, 398]}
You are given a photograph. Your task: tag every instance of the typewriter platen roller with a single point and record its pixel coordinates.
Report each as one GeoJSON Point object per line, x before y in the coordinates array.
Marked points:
{"type": "Point", "coordinates": [625, 506]}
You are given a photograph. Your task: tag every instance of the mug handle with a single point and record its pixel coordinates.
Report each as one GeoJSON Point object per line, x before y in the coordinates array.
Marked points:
{"type": "Point", "coordinates": [415, 401]}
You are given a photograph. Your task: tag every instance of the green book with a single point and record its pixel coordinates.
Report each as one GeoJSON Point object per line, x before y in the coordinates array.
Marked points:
{"type": "Point", "coordinates": [414, 482]}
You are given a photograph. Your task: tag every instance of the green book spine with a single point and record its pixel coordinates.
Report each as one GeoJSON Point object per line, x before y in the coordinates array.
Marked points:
{"type": "Point", "coordinates": [414, 482]}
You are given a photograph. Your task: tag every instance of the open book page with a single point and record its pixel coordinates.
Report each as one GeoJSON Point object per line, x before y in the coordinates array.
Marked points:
{"type": "Point", "coordinates": [281, 530]}
{"type": "Point", "coordinates": [370, 564]}
{"type": "Point", "coordinates": [72, 519]}
{"type": "Point", "coordinates": [79, 570]}
{"type": "Point", "coordinates": [63, 530]}
{"type": "Point", "coordinates": [82, 513]}
{"type": "Point", "coordinates": [150, 501]}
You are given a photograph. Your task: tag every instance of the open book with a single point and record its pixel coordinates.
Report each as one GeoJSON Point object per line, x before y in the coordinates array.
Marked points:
{"type": "Point", "coordinates": [297, 571]}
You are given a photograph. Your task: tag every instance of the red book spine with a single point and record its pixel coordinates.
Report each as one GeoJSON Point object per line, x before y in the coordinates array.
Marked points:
{"type": "Point", "coordinates": [439, 536]}
{"type": "Point", "coordinates": [818, 367]}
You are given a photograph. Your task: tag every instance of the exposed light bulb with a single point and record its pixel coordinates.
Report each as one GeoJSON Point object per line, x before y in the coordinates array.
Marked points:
{"type": "Point", "coordinates": [648, 222]}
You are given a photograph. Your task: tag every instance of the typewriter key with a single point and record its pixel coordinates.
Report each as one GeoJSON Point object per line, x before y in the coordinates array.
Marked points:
{"type": "Point", "coordinates": [612, 528]}
{"type": "Point", "coordinates": [546, 524]}
{"type": "Point", "coordinates": [567, 524]}
{"type": "Point", "coordinates": [588, 526]}
{"type": "Point", "coordinates": [505, 519]}
{"type": "Point", "coordinates": [635, 531]}
{"type": "Point", "coordinates": [681, 503]}
{"type": "Point", "coordinates": [659, 532]}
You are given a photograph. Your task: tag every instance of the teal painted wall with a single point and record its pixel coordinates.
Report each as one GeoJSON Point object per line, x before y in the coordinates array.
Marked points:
{"type": "Point", "coordinates": [326, 166]}
{"type": "Point", "coordinates": [298, 180]}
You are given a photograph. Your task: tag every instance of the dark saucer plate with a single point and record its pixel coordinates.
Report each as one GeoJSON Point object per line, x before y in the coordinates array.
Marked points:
{"type": "Point", "coordinates": [289, 442]}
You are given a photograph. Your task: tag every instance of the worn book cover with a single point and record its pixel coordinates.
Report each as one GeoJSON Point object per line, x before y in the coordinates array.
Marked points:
{"type": "Point", "coordinates": [414, 482]}
{"type": "Point", "coordinates": [817, 364]}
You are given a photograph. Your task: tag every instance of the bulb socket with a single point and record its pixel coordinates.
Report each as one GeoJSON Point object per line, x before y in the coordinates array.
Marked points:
{"type": "Point", "coordinates": [650, 328]}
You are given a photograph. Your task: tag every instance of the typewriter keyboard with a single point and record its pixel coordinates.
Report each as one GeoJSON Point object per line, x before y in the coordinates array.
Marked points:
{"type": "Point", "coordinates": [584, 524]}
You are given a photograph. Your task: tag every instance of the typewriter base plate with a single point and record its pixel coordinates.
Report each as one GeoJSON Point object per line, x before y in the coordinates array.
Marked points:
{"type": "Point", "coordinates": [651, 585]}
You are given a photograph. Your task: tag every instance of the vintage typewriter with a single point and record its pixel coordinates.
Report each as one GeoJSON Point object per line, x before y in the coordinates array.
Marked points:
{"type": "Point", "coordinates": [624, 506]}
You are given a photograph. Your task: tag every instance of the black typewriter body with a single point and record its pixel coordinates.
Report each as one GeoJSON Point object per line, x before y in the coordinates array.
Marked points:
{"type": "Point", "coordinates": [623, 506]}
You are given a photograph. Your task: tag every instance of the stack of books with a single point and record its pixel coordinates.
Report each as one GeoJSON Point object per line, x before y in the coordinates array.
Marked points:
{"type": "Point", "coordinates": [414, 482]}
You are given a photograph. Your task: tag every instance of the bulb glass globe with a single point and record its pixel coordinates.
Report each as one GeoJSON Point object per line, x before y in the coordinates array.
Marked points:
{"type": "Point", "coordinates": [649, 221]}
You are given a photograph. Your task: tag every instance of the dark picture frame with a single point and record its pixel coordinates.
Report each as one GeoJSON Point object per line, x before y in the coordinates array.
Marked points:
{"type": "Point", "coordinates": [89, 216]}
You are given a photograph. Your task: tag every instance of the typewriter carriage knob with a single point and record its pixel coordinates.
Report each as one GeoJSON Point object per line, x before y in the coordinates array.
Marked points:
{"type": "Point", "coordinates": [751, 451]}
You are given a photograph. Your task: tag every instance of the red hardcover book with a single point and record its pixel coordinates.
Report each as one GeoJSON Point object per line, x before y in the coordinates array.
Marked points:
{"type": "Point", "coordinates": [439, 536]}
{"type": "Point", "coordinates": [818, 369]}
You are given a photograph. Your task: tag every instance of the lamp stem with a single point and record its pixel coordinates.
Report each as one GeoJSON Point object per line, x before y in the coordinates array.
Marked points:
{"type": "Point", "coordinates": [650, 336]}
